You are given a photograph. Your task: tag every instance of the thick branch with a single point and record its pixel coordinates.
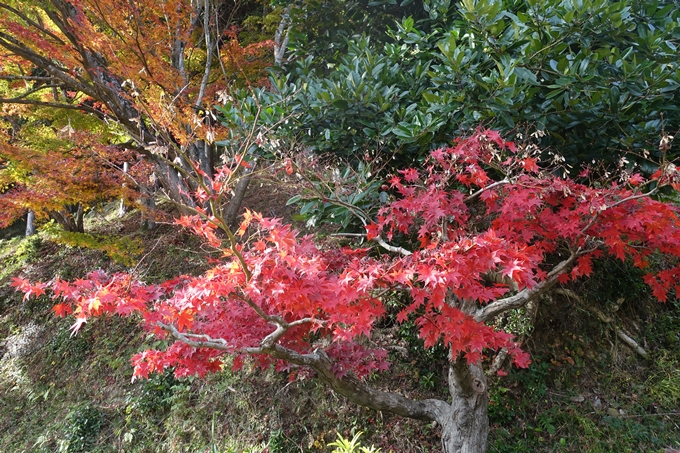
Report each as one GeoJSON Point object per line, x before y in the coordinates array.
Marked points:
{"type": "Point", "coordinates": [392, 248]}
{"type": "Point", "coordinates": [16, 47]}
{"type": "Point", "coordinates": [234, 206]}
{"type": "Point", "coordinates": [27, 78]}
{"type": "Point", "coordinates": [353, 389]}
{"type": "Point", "coordinates": [523, 297]}
{"type": "Point", "coordinates": [359, 392]}
{"type": "Point", "coordinates": [56, 105]}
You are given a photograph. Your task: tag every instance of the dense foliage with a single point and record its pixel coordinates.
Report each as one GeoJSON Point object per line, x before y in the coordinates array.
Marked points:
{"type": "Point", "coordinates": [93, 81]}
{"type": "Point", "coordinates": [597, 77]}
{"type": "Point", "coordinates": [454, 237]}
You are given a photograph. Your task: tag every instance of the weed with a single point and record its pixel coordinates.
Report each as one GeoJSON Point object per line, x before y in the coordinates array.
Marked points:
{"type": "Point", "coordinates": [83, 429]}
{"type": "Point", "coordinates": [664, 386]}
{"type": "Point", "coordinates": [343, 445]}
{"type": "Point", "coordinates": [121, 250]}
{"type": "Point", "coordinates": [157, 393]}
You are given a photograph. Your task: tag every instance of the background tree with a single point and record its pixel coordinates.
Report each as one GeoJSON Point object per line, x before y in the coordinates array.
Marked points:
{"type": "Point", "coordinates": [490, 231]}
{"type": "Point", "coordinates": [58, 165]}
{"type": "Point", "coordinates": [599, 78]}
{"type": "Point", "coordinates": [152, 68]}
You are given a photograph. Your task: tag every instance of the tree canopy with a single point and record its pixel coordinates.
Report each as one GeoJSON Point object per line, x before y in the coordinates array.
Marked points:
{"type": "Point", "coordinates": [145, 73]}
{"type": "Point", "coordinates": [599, 78]}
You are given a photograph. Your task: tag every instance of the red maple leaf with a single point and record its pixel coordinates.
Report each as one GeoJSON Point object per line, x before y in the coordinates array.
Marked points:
{"type": "Point", "coordinates": [62, 310]}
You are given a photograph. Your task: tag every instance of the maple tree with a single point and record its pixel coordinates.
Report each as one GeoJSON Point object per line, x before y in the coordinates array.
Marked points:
{"type": "Point", "coordinates": [55, 170]}
{"type": "Point", "coordinates": [480, 207]}
{"type": "Point", "coordinates": [148, 70]}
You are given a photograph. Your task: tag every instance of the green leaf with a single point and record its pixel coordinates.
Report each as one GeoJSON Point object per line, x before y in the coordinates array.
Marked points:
{"type": "Point", "coordinates": [293, 200]}
{"type": "Point", "coordinates": [308, 207]}
{"type": "Point", "coordinates": [526, 75]}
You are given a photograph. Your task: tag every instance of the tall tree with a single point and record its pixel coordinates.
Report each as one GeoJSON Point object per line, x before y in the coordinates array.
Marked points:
{"type": "Point", "coordinates": [154, 68]}
{"type": "Point", "coordinates": [491, 231]}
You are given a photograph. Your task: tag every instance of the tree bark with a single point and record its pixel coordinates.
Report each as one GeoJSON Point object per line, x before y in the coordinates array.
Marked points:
{"type": "Point", "coordinates": [465, 428]}
{"type": "Point", "coordinates": [465, 422]}
{"type": "Point", "coordinates": [234, 206]}
{"type": "Point", "coordinates": [122, 209]}
{"type": "Point", "coordinates": [282, 36]}
{"type": "Point", "coordinates": [80, 211]}
{"type": "Point", "coordinates": [30, 223]}
{"type": "Point", "coordinates": [70, 218]}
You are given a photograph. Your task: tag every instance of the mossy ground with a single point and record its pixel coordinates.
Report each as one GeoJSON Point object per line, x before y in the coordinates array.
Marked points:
{"type": "Point", "coordinates": [585, 391]}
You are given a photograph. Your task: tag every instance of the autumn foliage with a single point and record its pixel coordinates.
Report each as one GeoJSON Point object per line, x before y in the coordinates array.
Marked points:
{"type": "Point", "coordinates": [148, 72]}
{"type": "Point", "coordinates": [77, 170]}
{"type": "Point", "coordinates": [478, 207]}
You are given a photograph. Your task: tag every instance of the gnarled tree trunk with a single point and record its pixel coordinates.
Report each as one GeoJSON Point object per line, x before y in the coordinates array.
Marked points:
{"type": "Point", "coordinates": [465, 426]}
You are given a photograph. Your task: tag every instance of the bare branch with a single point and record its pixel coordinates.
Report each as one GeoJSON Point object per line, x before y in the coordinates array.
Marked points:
{"type": "Point", "coordinates": [484, 189]}
{"type": "Point", "coordinates": [56, 105]}
{"type": "Point", "coordinates": [195, 340]}
{"type": "Point", "coordinates": [354, 389]}
{"type": "Point", "coordinates": [27, 78]}
{"type": "Point", "coordinates": [391, 248]}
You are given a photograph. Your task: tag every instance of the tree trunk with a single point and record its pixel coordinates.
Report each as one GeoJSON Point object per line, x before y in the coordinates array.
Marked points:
{"type": "Point", "coordinates": [234, 207]}
{"type": "Point", "coordinates": [122, 209]}
{"type": "Point", "coordinates": [282, 36]}
{"type": "Point", "coordinates": [465, 422]}
{"type": "Point", "coordinates": [70, 218]}
{"type": "Point", "coordinates": [30, 223]}
{"type": "Point", "coordinates": [465, 427]}
{"type": "Point", "coordinates": [148, 201]}
{"type": "Point", "coordinates": [80, 211]}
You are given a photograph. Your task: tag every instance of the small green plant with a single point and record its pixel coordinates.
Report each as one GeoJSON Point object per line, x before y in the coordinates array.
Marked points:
{"type": "Point", "coordinates": [28, 248]}
{"type": "Point", "coordinates": [277, 441]}
{"type": "Point", "coordinates": [158, 392]}
{"type": "Point", "coordinates": [83, 429]}
{"type": "Point", "coordinates": [343, 445]}
{"type": "Point", "coordinates": [666, 389]}
{"type": "Point", "coordinates": [428, 381]}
